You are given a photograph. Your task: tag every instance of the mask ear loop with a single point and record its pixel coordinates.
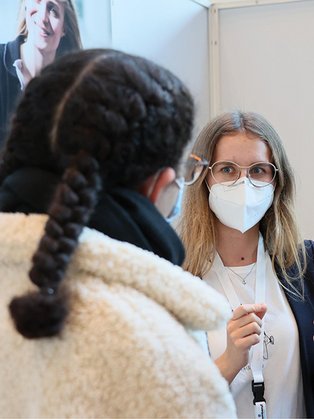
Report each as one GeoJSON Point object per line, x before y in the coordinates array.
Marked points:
{"type": "Point", "coordinates": [168, 198]}
{"type": "Point", "coordinates": [177, 206]}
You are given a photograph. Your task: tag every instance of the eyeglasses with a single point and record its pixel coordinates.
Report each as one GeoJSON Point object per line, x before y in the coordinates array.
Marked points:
{"type": "Point", "coordinates": [193, 168]}
{"type": "Point", "coordinates": [260, 174]}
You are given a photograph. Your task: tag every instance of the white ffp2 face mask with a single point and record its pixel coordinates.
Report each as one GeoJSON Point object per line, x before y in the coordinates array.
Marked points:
{"type": "Point", "coordinates": [241, 205]}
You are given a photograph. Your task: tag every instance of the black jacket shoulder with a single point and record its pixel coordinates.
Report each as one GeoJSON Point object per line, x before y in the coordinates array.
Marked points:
{"type": "Point", "coordinates": [303, 311]}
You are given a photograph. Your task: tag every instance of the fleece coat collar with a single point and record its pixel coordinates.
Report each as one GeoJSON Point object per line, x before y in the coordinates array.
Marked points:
{"type": "Point", "coordinates": [191, 301]}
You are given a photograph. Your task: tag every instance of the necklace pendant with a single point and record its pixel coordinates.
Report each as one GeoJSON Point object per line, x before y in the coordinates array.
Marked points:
{"type": "Point", "coordinates": [243, 278]}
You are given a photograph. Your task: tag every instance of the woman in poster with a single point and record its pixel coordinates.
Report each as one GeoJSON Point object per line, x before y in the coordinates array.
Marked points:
{"type": "Point", "coordinates": [47, 29]}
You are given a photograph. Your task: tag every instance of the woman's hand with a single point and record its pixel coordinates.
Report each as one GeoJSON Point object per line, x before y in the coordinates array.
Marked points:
{"type": "Point", "coordinates": [243, 331]}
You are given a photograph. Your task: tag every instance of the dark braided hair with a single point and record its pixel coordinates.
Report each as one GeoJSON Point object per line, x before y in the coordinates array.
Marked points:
{"type": "Point", "coordinates": [99, 119]}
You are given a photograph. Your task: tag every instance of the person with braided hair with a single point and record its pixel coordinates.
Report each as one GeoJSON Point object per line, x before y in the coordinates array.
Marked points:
{"type": "Point", "coordinates": [96, 319]}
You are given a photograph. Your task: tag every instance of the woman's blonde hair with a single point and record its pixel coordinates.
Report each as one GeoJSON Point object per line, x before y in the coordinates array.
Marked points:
{"type": "Point", "coordinates": [71, 41]}
{"type": "Point", "coordinates": [278, 226]}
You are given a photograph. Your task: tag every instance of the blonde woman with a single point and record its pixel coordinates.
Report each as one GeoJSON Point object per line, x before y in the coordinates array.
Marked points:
{"type": "Point", "coordinates": [47, 29]}
{"type": "Point", "coordinates": [240, 234]}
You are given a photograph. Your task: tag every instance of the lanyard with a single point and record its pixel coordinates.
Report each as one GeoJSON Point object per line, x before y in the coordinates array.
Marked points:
{"type": "Point", "coordinates": [256, 362]}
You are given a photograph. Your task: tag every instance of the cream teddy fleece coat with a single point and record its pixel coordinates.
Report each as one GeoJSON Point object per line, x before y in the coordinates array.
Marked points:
{"type": "Point", "coordinates": [125, 350]}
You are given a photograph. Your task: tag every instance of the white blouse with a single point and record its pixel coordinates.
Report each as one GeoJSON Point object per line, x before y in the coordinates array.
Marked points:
{"type": "Point", "coordinates": [281, 367]}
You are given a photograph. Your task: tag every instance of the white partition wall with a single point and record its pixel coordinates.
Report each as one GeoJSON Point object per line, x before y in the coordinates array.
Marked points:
{"type": "Point", "coordinates": [95, 23]}
{"type": "Point", "coordinates": [174, 33]}
{"type": "Point", "coordinates": [262, 59]}
{"type": "Point", "coordinates": [8, 20]}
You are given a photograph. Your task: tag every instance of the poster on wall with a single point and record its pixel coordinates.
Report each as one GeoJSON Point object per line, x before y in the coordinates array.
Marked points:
{"type": "Point", "coordinates": [34, 33]}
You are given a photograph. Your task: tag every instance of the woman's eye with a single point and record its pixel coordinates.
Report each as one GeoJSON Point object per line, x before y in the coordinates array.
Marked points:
{"type": "Point", "coordinates": [53, 10]}
{"type": "Point", "coordinates": [257, 170]}
{"type": "Point", "coordinates": [227, 170]}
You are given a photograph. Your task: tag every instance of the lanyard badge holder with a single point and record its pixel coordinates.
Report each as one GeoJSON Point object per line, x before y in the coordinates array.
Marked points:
{"type": "Point", "coordinates": [258, 386]}
{"type": "Point", "coordinates": [256, 364]}
{"type": "Point", "coordinates": [259, 401]}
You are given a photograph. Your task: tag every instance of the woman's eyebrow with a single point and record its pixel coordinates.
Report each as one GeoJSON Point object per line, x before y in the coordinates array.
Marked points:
{"type": "Point", "coordinates": [54, 3]}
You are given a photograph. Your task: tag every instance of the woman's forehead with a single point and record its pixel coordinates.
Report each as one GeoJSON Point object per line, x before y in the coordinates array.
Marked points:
{"type": "Point", "coordinates": [242, 146]}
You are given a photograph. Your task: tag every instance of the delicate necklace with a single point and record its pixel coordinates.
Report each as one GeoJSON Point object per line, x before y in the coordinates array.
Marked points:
{"type": "Point", "coordinates": [243, 278]}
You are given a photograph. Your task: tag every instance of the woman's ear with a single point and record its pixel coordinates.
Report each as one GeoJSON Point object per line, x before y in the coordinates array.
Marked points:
{"type": "Point", "coordinates": [156, 184]}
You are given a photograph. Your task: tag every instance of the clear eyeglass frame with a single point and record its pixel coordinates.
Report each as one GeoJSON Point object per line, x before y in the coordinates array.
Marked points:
{"type": "Point", "coordinates": [196, 165]}
{"type": "Point", "coordinates": [193, 168]}
{"type": "Point", "coordinates": [259, 182]}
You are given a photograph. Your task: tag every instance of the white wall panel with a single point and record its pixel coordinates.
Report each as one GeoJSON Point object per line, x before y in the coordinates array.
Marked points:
{"type": "Point", "coordinates": [8, 20]}
{"type": "Point", "coordinates": [174, 34]}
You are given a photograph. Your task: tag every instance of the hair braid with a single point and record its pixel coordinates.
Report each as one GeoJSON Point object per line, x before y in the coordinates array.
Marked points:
{"type": "Point", "coordinates": [42, 314]}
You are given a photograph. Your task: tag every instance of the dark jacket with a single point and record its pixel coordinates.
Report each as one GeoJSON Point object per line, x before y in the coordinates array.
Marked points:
{"type": "Point", "coordinates": [122, 214]}
{"type": "Point", "coordinates": [303, 311]}
{"type": "Point", "coordinates": [10, 88]}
